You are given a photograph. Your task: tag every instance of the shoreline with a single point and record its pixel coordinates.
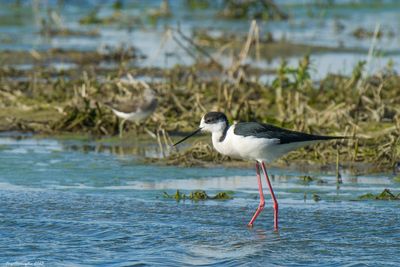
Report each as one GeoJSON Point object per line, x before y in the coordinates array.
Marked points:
{"type": "Point", "coordinates": [135, 146]}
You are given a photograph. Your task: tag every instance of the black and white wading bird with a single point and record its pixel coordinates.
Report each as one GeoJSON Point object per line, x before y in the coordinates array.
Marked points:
{"type": "Point", "coordinates": [254, 141]}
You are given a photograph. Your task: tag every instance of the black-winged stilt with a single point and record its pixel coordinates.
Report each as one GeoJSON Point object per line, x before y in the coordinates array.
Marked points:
{"type": "Point", "coordinates": [254, 141]}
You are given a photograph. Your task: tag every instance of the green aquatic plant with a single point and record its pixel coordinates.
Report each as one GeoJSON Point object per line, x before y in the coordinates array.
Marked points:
{"type": "Point", "coordinates": [367, 196]}
{"type": "Point", "coordinates": [222, 196]}
{"type": "Point", "coordinates": [306, 178]}
{"type": "Point", "coordinates": [177, 196]}
{"type": "Point", "coordinates": [197, 195]}
{"type": "Point", "coordinates": [316, 197]}
{"type": "Point", "coordinates": [386, 194]}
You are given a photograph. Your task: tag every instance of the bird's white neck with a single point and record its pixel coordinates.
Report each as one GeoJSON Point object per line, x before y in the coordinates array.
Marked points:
{"type": "Point", "coordinates": [222, 141]}
{"type": "Point", "coordinates": [219, 135]}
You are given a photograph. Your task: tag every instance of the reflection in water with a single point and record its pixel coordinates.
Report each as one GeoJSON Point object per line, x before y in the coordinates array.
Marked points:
{"type": "Point", "coordinates": [22, 143]}
{"type": "Point", "coordinates": [141, 150]}
{"type": "Point", "coordinates": [262, 234]}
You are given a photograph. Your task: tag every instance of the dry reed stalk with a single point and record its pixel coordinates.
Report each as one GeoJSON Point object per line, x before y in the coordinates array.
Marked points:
{"type": "Point", "coordinates": [167, 36]}
{"type": "Point", "coordinates": [369, 57]}
{"type": "Point", "coordinates": [187, 50]}
{"type": "Point", "coordinates": [222, 49]}
{"type": "Point", "coordinates": [252, 35]}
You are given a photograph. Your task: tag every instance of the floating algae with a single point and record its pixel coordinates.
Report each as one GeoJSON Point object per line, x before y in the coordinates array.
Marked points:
{"type": "Point", "coordinates": [197, 195]}
{"type": "Point", "coordinates": [308, 179]}
{"type": "Point", "coordinates": [316, 197]}
{"type": "Point", "coordinates": [385, 195]}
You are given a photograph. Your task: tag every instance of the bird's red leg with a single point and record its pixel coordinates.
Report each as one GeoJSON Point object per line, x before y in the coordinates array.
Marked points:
{"type": "Point", "coordinates": [272, 195]}
{"type": "Point", "coordinates": [262, 201]}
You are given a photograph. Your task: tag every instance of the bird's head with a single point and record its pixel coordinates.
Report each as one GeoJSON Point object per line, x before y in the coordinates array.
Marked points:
{"type": "Point", "coordinates": [213, 122]}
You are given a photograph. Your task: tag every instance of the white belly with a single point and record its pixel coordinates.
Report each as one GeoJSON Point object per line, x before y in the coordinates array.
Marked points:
{"type": "Point", "coordinates": [133, 116]}
{"type": "Point", "coordinates": [243, 147]}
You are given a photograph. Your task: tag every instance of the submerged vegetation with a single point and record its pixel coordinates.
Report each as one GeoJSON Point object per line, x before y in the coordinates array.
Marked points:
{"type": "Point", "coordinates": [309, 179]}
{"type": "Point", "coordinates": [198, 195]}
{"type": "Point", "coordinates": [386, 194]}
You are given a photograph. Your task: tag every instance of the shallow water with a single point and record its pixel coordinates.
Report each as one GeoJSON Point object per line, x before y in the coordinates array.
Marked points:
{"type": "Point", "coordinates": [69, 206]}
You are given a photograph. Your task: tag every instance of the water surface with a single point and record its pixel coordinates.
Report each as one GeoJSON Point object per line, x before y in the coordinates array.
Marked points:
{"type": "Point", "coordinates": [311, 22]}
{"type": "Point", "coordinates": [69, 206]}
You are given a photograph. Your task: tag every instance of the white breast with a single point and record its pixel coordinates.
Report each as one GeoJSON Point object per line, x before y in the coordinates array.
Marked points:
{"type": "Point", "coordinates": [237, 146]}
{"type": "Point", "coordinates": [227, 146]}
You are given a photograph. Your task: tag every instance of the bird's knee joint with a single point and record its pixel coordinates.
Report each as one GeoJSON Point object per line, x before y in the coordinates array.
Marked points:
{"type": "Point", "coordinates": [276, 206]}
{"type": "Point", "coordinates": [262, 204]}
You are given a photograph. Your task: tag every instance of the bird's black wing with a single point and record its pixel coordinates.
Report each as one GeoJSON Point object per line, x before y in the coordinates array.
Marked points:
{"type": "Point", "coordinates": [261, 130]}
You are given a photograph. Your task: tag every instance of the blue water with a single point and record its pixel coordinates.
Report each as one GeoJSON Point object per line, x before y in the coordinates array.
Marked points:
{"type": "Point", "coordinates": [63, 204]}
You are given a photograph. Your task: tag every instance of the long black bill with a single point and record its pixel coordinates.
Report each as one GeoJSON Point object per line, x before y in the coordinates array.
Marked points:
{"type": "Point", "coordinates": [190, 135]}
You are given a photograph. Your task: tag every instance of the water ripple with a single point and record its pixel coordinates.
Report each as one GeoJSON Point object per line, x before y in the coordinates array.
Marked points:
{"type": "Point", "coordinates": [96, 210]}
